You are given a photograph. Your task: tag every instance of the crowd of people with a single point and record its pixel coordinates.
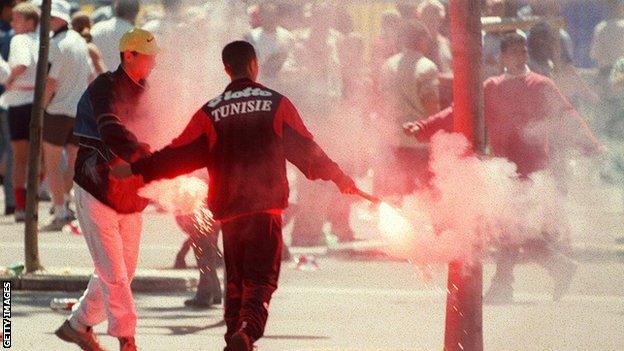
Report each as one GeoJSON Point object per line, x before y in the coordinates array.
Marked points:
{"type": "Point", "coordinates": [382, 98]}
{"type": "Point", "coordinates": [315, 41]}
{"type": "Point", "coordinates": [408, 66]}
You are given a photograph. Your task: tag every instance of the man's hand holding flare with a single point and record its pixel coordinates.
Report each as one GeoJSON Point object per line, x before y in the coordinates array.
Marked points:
{"type": "Point", "coordinates": [411, 128]}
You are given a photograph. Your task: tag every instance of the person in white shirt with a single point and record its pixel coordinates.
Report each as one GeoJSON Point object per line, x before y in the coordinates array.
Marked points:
{"type": "Point", "coordinates": [608, 41]}
{"type": "Point", "coordinates": [19, 94]}
{"type": "Point", "coordinates": [68, 78]}
{"type": "Point", "coordinates": [106, 34]}
{"type": "Point", "coordinates": [432, 13]}
{"type": "Point", "coordinates": [409, 86]}
{"type": "Point", "coordinates": [81, 23]}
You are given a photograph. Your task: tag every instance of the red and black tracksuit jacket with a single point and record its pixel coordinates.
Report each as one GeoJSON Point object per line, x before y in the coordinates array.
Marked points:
{"type": "Point", "coordinates": [244, 137]}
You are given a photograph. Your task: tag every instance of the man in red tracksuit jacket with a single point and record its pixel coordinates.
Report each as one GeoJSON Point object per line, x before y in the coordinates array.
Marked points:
{"type": "Point", "coordinates": [525, 116]}
{"type": "Point", "coordinates": [244, 137]}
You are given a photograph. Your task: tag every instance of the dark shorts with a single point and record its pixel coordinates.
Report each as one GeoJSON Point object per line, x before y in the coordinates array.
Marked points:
{"type": "Point", "coordinates": [59, 130]}
{"type": "Point", "coordinates": [19, 122]}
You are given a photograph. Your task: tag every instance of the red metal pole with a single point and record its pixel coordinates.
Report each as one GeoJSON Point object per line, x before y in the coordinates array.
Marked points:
{"type": "Point", "coordinates": [464, 305]}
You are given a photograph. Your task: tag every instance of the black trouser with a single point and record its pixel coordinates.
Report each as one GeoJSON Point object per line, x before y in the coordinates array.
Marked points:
{"type": "Point", "coordinates": [252, 248]}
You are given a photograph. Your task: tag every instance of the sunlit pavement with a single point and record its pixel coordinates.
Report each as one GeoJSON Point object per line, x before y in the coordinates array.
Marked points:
{"type": "Point", "coordinates": [346, 304]}
{"type": "Point", "coordinates": [367, 306]}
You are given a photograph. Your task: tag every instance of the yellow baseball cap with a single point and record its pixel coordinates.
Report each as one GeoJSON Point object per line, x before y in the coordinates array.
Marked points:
{"type": "Point", "coordinates": [139, 40]}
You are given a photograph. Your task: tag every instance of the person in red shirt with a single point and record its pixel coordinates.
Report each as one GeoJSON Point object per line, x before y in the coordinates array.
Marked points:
{"type": "Point", "coordinates": [526, 118]}
{"type": "Point", "coordinates": [244, 137]}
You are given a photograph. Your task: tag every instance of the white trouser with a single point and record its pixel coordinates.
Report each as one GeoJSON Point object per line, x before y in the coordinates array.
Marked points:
{"type": "Point", "coordinates": [113, 241]}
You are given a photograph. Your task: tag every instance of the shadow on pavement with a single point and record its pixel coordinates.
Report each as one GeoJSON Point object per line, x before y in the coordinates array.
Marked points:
{"type": "Point", "coordinates": [179, 309]}
{"type": "Point", "coordinates": [363, 255]}
{"type": "Point", "coordinates": [20, 314]}
{"type": "Point", "coordinates": [42, 299]}
{"type": "Point", "coordinates": [186, 330]}
{"type": "Point", "coordinates": [176, 316]}
{"type": "Point", "coordinates": [296, 337]}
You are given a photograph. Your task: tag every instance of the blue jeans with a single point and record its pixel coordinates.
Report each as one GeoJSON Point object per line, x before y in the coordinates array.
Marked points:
{"type": "Point", "coordinates": [6, 155]}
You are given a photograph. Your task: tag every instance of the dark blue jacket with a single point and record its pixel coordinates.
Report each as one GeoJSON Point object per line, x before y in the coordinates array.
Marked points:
{"type": "Point", "coordinates": [104, 111]}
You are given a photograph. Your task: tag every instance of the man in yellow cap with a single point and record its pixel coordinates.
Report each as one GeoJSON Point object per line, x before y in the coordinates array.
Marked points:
{"type": "Point", "coordinates": [109, 210]}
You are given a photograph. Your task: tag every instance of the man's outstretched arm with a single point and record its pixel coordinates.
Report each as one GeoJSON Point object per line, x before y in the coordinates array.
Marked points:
{"type": "Point", "coordinates": [186, 153]}
{"type": "Point", "coordinates": [302, 151]}
{"type": "Point", "coordinates": [172, 161]}
{"type": "Point", "coordinates": [424, 129]}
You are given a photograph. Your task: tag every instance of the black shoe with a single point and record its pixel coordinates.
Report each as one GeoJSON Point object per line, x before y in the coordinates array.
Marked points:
{"type": "Point", "coordinates": [44, 196]}
{"type": "Point", "coordinates": [204, 303]}
{"type": "Point", "coordinates": [198, 304]}
{"type": "Point", "coordinates": [9, 210]}
{"type": "Point", "coordinates": [240, 342]}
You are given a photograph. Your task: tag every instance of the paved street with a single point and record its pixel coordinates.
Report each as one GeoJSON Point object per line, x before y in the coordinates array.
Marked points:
{"type": "Point", "coordinates": [345, 305]}
{"type": "Point", "coordinates": [368, 306]}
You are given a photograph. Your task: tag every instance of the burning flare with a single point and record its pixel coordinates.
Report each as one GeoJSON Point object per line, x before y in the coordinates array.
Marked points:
{"type": "Point", "coordinates": [394, 227]}
{"type": "Point", "coordinates": [181, 195]}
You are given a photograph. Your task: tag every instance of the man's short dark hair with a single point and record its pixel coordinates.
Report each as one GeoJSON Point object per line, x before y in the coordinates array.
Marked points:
{"type": "Point", "coordinates": [127, 9]}
{"type": "Point", "coordinates": [542, 41]}
{"type": "Point", "coordinates": [512, 39]}
{"type": "Point", "coordinates": [237, 55]}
